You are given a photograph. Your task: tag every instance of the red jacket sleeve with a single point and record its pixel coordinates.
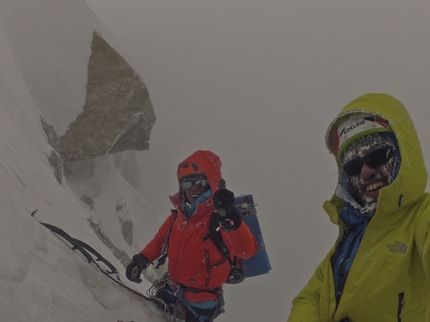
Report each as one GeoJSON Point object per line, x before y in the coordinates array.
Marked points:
{"type": "Point", "coordinates": [153, 249]}
{"type": "Point", "coordinates": [242, 242]}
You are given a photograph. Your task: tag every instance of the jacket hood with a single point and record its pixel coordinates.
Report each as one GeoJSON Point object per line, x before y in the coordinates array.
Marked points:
{"type": "Point", "coordinates": [210, 163]}
{"type": "Point", "coordinates": [411, 181]}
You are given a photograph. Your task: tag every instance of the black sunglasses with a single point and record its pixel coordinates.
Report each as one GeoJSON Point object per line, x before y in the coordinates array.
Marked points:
{"type": "Point", "coordinates": [374, 159]}
{"type": "Point", "coordinates": [201, 183]}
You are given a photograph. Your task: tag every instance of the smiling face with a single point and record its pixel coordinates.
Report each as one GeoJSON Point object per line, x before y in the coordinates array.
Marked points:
{"type": "Point", "coordinates": [193, 193]}
{"type": "Point", "coordinates": [370, 179]}
{"type": "Point", "coordinates": [194, 186]}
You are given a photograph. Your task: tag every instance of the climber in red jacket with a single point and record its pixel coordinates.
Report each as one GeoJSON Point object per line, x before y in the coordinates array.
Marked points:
{"type": "Point", "coordinates": [197, 269]}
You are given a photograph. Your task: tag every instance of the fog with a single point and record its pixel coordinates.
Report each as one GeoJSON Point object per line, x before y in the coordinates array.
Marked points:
{"type": "Point", "coordinates": [258, 83]}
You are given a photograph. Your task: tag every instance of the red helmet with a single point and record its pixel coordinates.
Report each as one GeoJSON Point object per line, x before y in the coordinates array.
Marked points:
{"type": "Point", "coordinates": [189, 169]}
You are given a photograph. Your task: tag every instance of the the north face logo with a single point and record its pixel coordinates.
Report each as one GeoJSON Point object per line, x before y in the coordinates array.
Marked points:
{"type": "Point", "coordinates": [398, 247]}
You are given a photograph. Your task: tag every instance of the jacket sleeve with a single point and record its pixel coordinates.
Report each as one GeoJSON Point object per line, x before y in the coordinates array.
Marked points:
{"type": "Point", "coordinates": [242, 242]}
{"type": "Point", "coordinates": [153, 249]}
{"type": "Point", "coordinates": [306, 305]}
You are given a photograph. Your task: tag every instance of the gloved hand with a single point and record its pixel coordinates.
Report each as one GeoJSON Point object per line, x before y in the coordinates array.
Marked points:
{"type": "Point", "coordinates": [228, 216]}
{"type": "Point", "coordinates": [134, 269]}
{"type": "Point", "coordinates": [223, 200]}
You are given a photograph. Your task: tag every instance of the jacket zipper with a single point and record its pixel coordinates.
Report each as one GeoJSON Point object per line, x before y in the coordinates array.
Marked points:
{"type": "Point", "coordinates": [400, 307]}
{"type": "Point", "coordinates": [208, 267]}
{"type": "Point", "coordinates": [341, 269]}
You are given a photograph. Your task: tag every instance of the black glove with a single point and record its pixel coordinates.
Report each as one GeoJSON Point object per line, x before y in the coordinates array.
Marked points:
{"type": "Point", "coordinates": [223, 200]}
{"type": "Point", "coordinates": [228, 216]}
{"type": "Point", "coordinates": [134, 269]}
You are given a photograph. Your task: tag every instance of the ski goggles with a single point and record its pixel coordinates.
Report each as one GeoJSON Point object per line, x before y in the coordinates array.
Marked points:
{"type": "Point", "coordinates": [373, 159]}
{"type": "Point", "coordinates": [199, 182]}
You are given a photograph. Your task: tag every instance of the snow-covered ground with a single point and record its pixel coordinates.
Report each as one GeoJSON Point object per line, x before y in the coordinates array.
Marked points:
{"type": "Point", "coordinates": [44, 51]}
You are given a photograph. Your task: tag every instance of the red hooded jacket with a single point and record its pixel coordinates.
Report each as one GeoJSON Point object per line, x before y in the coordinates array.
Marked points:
{"type": "Point", "coordinates": [194, 262]}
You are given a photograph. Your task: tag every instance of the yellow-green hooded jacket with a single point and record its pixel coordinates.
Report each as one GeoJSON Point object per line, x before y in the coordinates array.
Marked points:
{"type": "Point", "coordinates": [389, 280]}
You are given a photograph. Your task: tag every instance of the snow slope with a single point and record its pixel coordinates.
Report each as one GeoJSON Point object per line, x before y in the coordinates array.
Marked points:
{"type": "Point", "coordinates": [45, 47]}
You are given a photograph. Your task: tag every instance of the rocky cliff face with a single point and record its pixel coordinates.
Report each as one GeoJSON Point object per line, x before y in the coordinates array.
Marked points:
{"type": "Point", "coordinates": [117, 115]}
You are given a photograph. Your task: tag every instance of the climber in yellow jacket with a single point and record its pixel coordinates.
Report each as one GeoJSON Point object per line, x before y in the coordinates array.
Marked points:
{"type": "Point", "coordinates": [379, 267]}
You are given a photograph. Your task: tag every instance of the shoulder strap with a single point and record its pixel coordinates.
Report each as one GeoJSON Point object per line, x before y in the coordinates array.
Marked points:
{"type": "Point", "coordinates": [216, 237]}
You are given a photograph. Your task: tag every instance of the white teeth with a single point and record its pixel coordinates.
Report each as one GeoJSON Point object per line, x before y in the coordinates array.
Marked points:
{"type": "Point", "coordinates": [375, 186]}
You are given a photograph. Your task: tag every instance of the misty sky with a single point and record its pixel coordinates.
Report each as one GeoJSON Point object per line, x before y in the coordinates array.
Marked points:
{"type": "Point", "coordinates": [258, 83]}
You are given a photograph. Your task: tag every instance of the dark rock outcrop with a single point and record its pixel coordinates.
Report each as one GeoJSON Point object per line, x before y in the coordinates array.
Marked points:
{"type": "Point", "coordinates": [118, 113]}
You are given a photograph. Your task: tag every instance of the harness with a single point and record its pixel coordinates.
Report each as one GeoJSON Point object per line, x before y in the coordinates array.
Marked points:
{"type": "Point", "coordinates": [181, 305]}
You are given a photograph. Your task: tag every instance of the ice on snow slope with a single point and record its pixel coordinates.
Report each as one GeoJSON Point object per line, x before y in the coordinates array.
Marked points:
{"type": "Point", "coordinates": [44, 52]}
